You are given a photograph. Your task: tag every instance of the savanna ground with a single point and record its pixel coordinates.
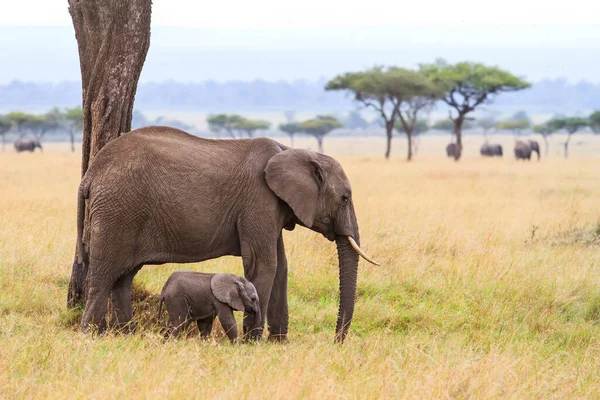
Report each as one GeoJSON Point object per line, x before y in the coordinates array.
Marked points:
{"type": "Point", "coordinates": [489, 288]}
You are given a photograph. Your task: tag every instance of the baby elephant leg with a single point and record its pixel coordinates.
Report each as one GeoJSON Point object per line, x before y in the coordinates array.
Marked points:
{"type": "Point", "coordinates": [228, 322]}
{"type": "Point", "coordinates": [205, 326]}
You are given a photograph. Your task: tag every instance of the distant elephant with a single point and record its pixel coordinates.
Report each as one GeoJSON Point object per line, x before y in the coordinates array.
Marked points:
{"type": "Point", "coordinates": [159, 195]}
{"type": "Point", "coordinates": [27, 145]}
{"type": "Point", "coordinates": [523, 149]}
{"type": "Point", "coordinates": [491, 150]}
{"type": "Point", "coordinates": [195, 296]}
{"type": "Point", "coordinates": [451, 150]}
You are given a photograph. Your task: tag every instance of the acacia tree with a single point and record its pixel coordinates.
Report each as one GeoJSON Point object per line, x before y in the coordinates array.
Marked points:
{"type": "Point", "coordinates": [20, 121]}
{"type": "Point", "coordinates": [515, 126]}
{"type": "Point", "coordinates": [469, 85]}
{"type": "Point", "coordinates": [486, 124]}
{"type": "Point", "coordinates": [420, 127]}
{"type": "Point", "coordinates": [415, 94]}
{"type": "Point", "coordinates": [544, 130]}
{"type": "Point", "coordinates": [5, 126]}
{"type": "Point", "coordinates": [113, 38]}
{"type": "Point", "coordinates": [594, 121]}
{"type": "Point", "coordinates": [224, 122]}
{"type": "Point", "coordinates": [291, 128]}
{"type": "Point", "coordinates": [571, 125]}
{"type": "Point", "coordinates": [319, 127]}
{"type": "Point", "coordinates": [73, 123]}
{"type": "Point", "coordinates": [250, 126]}
{"type": "Point", "coordinates": [374, 88]}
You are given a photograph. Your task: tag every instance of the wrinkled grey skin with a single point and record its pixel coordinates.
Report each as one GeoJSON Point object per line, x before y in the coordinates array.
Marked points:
{"type": "Point", "coordinates": [195, 296]}
{"type": "Point", "coordinates": [451, 150]}
{"type": "Point", "coordinates": [491, 150]}
{"type": "Point", "coordinates": [160, 195]}
{"type": "Point", "coordinates": [523, 149]}
{"type": "Point", "coordinates": [27, 145]}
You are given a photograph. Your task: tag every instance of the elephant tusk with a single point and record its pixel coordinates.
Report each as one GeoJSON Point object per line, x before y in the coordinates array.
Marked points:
{"type": "Point", "coordinates": [360, 252]}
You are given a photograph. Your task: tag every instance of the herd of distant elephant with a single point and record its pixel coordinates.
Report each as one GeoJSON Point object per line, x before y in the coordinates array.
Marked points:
{"type": "Point", "coordinates": [523, 149]}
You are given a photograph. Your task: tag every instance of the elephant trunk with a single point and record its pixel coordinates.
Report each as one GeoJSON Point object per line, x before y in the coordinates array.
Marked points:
{"type": "Point", "coordinates": [348, 264]}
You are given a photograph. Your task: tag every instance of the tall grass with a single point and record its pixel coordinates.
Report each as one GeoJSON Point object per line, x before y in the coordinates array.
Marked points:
{"type": "Point", "coordinates": [489, 288]}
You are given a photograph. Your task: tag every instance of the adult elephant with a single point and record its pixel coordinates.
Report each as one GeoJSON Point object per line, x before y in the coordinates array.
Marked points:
{"type": "Point", "coordinates": [452, 149]}
{"type": "Point", "coordinates": [491, 150]}
{"type": "Point", "coordinates": [523, 149]}
{"type": "Point", "coordinates": [160, 195]}
{"type": "Point", "coordinates": [27, 145]}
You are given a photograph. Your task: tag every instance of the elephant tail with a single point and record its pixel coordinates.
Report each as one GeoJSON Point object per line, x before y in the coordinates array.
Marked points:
{"type": "Point", "coordinates": [82, 195]}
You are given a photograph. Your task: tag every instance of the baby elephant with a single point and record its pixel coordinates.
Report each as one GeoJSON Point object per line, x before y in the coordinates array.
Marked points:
{"type": "Point", "coordinates": [195, 296]}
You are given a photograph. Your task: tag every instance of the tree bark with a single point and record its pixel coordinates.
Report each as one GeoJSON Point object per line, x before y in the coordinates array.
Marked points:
{"type": "Point", "coordinates": [389, 131]}
{"type": "Point", "coordinates": [410, 146]}
{"type": "Point", "coordinates": [113, 37]}
{"type": "Point", "coordinates": [458, 122]}
{"type": "Point", "coordinates": [292, 139]}
{"type": "Point", "coordinates": [545, 144]}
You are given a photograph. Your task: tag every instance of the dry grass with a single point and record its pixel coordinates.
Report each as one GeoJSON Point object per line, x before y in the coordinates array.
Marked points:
{"type": "Point", "coordinates": [490, 288]}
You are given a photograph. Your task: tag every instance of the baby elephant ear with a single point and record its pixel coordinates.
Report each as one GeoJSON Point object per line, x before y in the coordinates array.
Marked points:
{"type": "Point", "coordinates": [225, 287]}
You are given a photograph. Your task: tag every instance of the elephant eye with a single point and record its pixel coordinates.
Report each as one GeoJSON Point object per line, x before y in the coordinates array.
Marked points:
{"type": "Point", "coordinates": [345, 198]}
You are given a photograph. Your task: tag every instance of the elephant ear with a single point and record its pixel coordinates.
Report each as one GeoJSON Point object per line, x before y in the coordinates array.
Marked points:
{"type": "Point", "coordinates": [226, 288]}
{"type": "Point", "coordinates": [295, 177]}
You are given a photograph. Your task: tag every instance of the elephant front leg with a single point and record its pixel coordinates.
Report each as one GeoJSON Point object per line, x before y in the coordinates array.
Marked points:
{"type": "Point", "coordinates": [228, 322]}
{"type": "Point", "coordinates": [259, 268]}
{"type": "Point", "coordinates": [277, 313]}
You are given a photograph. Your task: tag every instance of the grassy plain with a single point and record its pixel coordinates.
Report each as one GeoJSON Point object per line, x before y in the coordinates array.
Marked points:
{"type": "Point", "coordinates": [489, 288]}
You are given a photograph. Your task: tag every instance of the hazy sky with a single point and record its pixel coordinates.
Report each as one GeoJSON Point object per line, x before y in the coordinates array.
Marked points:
{"type": "Point", "coordinates": [305, 13]}
{"type": "Point", "coordinates": [271, 39]}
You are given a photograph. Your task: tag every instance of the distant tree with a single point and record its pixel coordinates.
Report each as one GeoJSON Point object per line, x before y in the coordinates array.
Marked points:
{"type": "Point", "coordinates": [5, 126]}
{"type": "Point", "coordinates": [520, 116]}
{"type": "Point", "coordinates": [421, 126]}
{"type": "Point", "coordinates": [291, 128]}
{"type": "Point", "coordinates": [516, 127]}
{"type": "Point", "coordinates": [290, 116]}
{"type": "Point", "coordinates": [446, 125]}
{"type": "Point", "coordinates": [249, 126]}
{"type": "Point", "coordinates": [594, 121]}
{"type": "Point", "coordinates": [386, 91]}
{"type": "Point", "coordinates": [355, 121]}
{"type": "Point", "coordinates": [20, 121]}
{"type": "Point", "coordinates": [37, 126]}
{"type": "Point", "coordinates": [571, 125]}
{"type": "Point", "coordinates": [469, 85]}
{"type": "Point", "coordinates": [74, 123]}
{"type": "Point", "coordinates": [544, 130]}
{"type": "Point", "coordinates": [224, 122]}
{"type": "Point", "coordinates": [486, 124]}
{"type": "Point", "coordinates": [319, 127]}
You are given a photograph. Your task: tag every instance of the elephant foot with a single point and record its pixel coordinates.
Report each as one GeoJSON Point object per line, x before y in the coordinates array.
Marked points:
{"type": "Point", "coordinates": [125, 328]}
{"type": "Point", "coordinates": [280, 338]}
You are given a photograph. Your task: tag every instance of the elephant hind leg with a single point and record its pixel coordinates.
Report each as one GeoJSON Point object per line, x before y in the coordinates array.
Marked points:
{"type": "Point", "coordinates": [121, 307]}
{"type": "Point", "coordinates": [205, 326]}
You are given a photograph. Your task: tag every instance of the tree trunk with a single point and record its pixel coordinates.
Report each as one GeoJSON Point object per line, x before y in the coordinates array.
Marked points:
{"type": "Point", "coordinates": [72, 135]}
{"type": "Point", "coordinates": [458, 122]}
{"type": "Point", "coordinates": [545, 144]}
{"type": "Point", "coordinates": [3, 142]}
{"type": "Point", "coordinates": [292, 139]}
{"type": "Point", "coordinates": [410, 146]}
{"type": "Point", "coordinates": [112, 38]}
{"type": "Point", "coordinates": [567, 145]}
{"type": "Point", "coordinates": [389, 130]}
{"type": "Point", "coordinates": [320, 142]}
